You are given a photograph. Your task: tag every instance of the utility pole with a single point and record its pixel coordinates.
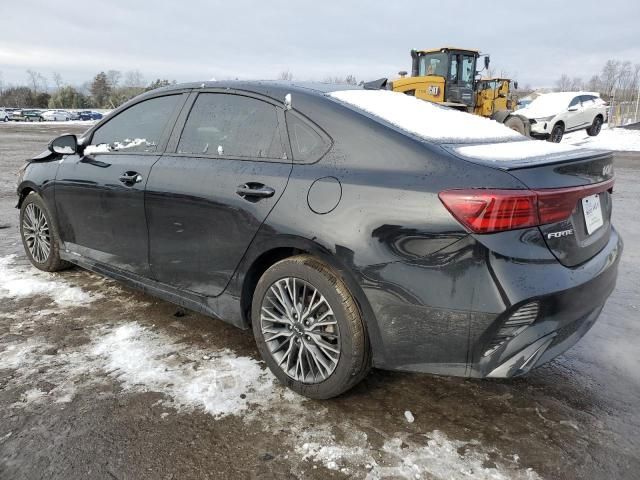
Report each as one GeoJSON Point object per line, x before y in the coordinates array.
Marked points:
{"type": "Point", "coordinates": [635, 117]}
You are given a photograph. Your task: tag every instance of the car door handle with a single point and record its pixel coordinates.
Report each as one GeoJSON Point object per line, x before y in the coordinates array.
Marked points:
{"type": "Point", "coordinates": [254, 191]}
{"type": "Point", "coordinates": [130, 178]}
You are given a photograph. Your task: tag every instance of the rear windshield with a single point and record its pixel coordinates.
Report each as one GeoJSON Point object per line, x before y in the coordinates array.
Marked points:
{"type": "Point", "coordinates": [424, 119]}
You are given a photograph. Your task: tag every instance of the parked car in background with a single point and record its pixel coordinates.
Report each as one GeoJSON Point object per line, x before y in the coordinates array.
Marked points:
{"type": "Point", "coordinates": [55, 115]}
{"type": "Point", "coordinates": [16, 114]}
{"type": "Point", "coordinates": [32, 115]}
{"type": "Point", "coordinates": [74, 115]}
{"type": "Point", "coordinates": [4, 115]}
{"type": "Point", "coordinates": [89, 115]}
{"type": "Point", "coordinates": [349, 228]}
{"type": "Point", "coordinates": [553, 114]}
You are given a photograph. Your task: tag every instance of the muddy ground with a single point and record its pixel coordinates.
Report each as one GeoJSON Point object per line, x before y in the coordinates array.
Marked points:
{"type": "Point", "coordinates": [100, 381]}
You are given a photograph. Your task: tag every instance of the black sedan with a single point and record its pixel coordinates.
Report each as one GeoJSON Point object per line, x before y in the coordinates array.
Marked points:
{"type": "Point", "coordinates": [349, 229]}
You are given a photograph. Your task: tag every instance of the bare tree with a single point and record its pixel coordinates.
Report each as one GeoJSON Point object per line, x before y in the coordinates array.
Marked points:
{"type": "Point", "coordinates": [57, 80]}
{"type": "Point", "coordinates": [593, 85]}
{"type": "Point", "coordinates": [285, 75]}
{"type": "Point", "coordinates": [576, 84]}
{"type": "Point", "coordinates": [113, 77]}
{"type": "Point", "coordinates": [133, 78]}
{"type": "Point", "coordinates": [33, 80]}
{"type": "Point", "coordinates": [563, 84]}
{"type": "Point", "coordinates": [609, 76]}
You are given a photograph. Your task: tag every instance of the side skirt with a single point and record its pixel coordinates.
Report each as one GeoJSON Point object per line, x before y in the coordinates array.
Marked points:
{"type": "Point", "coordinates": [209, 306]}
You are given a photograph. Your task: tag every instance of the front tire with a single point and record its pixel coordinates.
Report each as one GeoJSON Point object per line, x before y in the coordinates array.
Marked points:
{"type": "Point", "coordinates": [595, 127]}
{"type": "Point", "coordinates": [557, 132]}
{"type": "Point", "coordinates": [309, 329]}
{"type": "Point", "coordinates": [39, 235]}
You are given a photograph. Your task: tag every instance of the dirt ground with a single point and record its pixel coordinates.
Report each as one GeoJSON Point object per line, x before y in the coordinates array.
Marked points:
{"type": "Point", "coordinates": [100, 381]}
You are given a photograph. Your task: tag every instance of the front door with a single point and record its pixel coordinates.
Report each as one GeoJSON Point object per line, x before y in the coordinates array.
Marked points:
{"type": "Point", "coordinates": [99, 194]}
{"type": "Point", "coordinates": [206, 201]}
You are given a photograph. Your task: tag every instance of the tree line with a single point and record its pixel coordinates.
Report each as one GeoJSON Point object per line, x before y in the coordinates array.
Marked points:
{"type": "Point", "coordinates": [108, 89]}
{"type": "Point", "coordinates": [618, 80]}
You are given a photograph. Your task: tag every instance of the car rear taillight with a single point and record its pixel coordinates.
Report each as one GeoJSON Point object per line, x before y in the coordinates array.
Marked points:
{"type": "Point", "coordinates": [492, 210]}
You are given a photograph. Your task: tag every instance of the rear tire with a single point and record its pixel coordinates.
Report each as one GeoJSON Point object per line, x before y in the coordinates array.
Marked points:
{"type": "Point", "coordinates": [557, 132]}
{"type": "Point", "coordinates": [318, 352]}
{"type": "Point", "coordinates": [39, 235]}
{"type": "Point", "coordinates": [595, 127]}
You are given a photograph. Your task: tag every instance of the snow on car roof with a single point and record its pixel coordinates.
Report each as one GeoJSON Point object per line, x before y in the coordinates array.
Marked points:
{"type": "Point", "coordinates": [550, 104]}
{"type": "Point", "coordinates": [424, 119]}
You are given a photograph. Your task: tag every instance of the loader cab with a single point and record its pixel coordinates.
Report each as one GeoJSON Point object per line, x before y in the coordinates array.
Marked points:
{"type": "Point", "coordinates": [457, 67]}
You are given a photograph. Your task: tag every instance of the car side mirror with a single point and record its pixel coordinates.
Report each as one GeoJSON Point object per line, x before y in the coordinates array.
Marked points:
{"type": "Point", "coordinates": [515, 85]}
{"type": "Point", "coordinates": [64, 145]}
{"type": "Point", "coordinates": [486, 62]}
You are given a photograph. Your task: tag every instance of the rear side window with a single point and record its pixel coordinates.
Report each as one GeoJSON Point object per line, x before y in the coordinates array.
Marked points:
{"type": "Point", "coordinates": [232, 125]}
{"type": "Point", "coordinates": [307, 143]}
{"type": "Point", "coordinates": [137, 129]}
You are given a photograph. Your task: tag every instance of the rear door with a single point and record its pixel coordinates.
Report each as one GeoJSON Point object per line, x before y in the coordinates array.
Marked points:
{"type": "Point", "coordinates": [575, 114]}
{"type": "Point", "coordinates": [100, 194]}
{"type": "Point", "coordinates": [206, 199]}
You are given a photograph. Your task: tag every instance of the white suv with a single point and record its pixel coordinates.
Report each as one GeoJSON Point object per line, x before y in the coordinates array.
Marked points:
{"type": "Point", "coordinates": [4, 116]}
{"type": "Point", "coordinates": [553, 114]}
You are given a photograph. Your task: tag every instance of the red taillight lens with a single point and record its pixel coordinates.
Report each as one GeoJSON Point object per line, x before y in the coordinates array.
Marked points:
{"type": "Point", "coordinates": [484, 211]}
{"type": "Point", "coordinates": [488, 210]}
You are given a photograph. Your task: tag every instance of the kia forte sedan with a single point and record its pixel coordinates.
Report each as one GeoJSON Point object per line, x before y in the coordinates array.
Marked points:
{"type": "Point", "coordinates": [348, 228]}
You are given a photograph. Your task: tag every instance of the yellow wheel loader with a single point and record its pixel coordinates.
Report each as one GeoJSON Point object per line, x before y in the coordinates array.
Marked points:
{"type": "Point", "coordinates": [448, 76]}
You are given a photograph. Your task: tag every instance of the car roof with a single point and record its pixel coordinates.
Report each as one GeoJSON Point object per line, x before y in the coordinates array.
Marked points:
{"type": "Point", "coordinates": [270, 88]}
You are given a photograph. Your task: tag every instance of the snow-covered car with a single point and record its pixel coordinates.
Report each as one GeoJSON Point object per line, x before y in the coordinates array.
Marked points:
{"type": "Point", "coordinates": [553, 114]}
{"type": "Point", "coordinates": [55, 115]}
{"type": "Point", "coordinates": [4, 116]}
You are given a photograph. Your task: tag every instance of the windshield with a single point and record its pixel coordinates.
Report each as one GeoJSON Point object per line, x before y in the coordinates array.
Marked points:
{"type": "Point", "coordinates": [433, 64]}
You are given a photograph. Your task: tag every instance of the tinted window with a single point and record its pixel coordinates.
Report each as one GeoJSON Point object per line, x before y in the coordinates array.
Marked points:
{"type": "Point", "coordinates": [231, 125]}
{"type": "Point", "coordinates": [307, 144]}
{"type": "Point", "coordinates": [575, 102]}
{"type": "Point", "coordinates": [137, 129]}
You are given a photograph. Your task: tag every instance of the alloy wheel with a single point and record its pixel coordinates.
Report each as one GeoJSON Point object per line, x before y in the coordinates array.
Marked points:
{"type": "Point", "coordinates": [35, 231]}
{"type": "Point", "coordinates": [300, 330]}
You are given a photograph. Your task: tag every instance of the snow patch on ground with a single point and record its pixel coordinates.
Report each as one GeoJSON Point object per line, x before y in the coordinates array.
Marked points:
{"type": "Point", "coordinates": [616, 139]}
{"type": "Point", "coordinates": [144, 360]}
{"type": "Point", "coordinates": [19, 281]}
{"type": "Point", "coordinates": [425, 119]}
{"type": "Point", "coordinates": [431, 455]}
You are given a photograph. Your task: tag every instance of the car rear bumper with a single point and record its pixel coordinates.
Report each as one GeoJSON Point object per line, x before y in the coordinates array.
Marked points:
{"type": "Point", "coordinates": [456, 341]}
{"type": "Point", "coordinates": [565, 316]}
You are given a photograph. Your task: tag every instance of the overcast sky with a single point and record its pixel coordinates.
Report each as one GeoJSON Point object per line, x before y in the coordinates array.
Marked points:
{"type": "Point", "coordinates": [532, 41]}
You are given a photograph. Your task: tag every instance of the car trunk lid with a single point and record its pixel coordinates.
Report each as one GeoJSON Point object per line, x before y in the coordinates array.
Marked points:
{"type": "Point", "coordinates": [578, 180]}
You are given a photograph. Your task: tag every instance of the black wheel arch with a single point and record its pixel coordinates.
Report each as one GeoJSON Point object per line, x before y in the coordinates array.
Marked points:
{"type": "Point", "coordinates": [266, 252]}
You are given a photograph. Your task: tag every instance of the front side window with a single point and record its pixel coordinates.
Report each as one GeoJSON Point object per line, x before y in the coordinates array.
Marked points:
{"type": "Point", "coordinates": [231, 125]}
{"type": "Point", "coordinates": [575, 102]}
{"type": "Point", "coordinates": [433, 64]}
{"type": "Point", "coordinates": [136, 129]}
